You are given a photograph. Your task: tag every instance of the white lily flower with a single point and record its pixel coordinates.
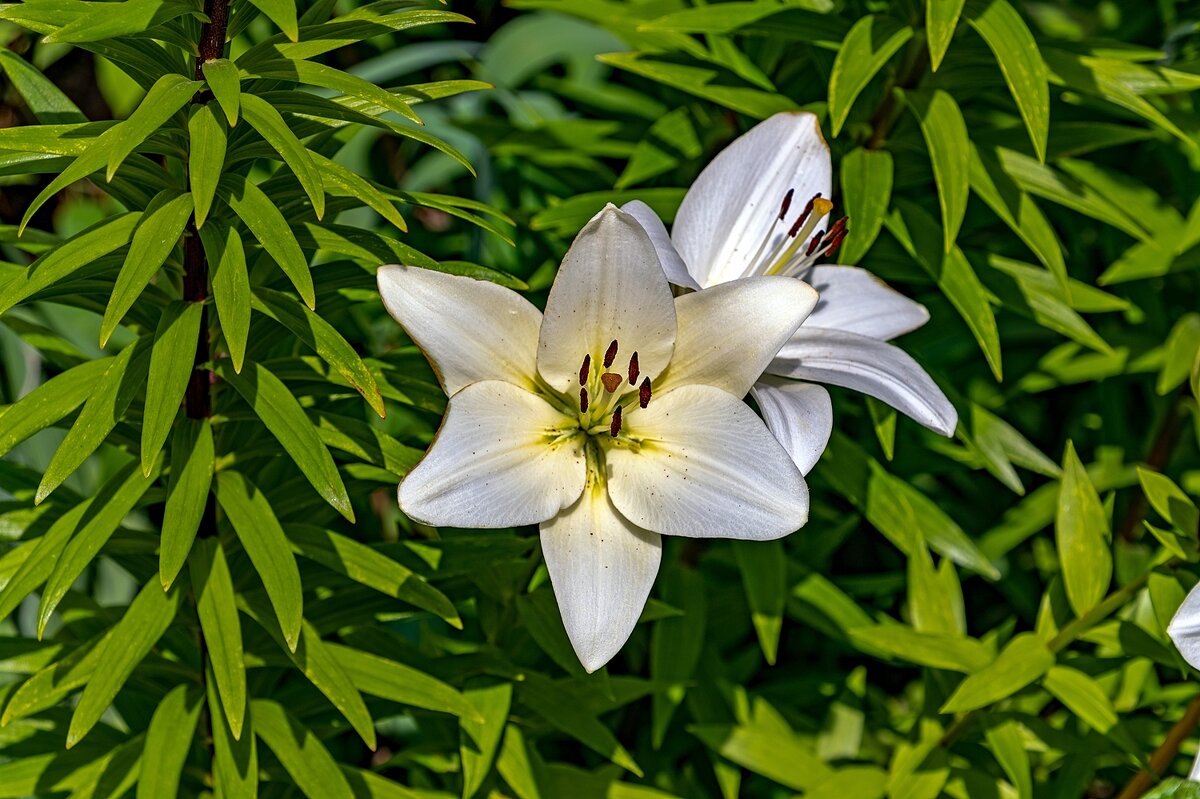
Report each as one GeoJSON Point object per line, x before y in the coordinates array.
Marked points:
{"type": "Point", "coordinates": [761, 208]}
{"type": "Point", "coordinates": [1184, 632]}
{"type": "Point", "coordinates": [615, 418]}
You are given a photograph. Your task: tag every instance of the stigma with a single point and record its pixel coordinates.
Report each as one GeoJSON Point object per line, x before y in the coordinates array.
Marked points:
{"type": "Point", "coordinates": [792, 246]}
{"type": "Point", "coordinates": [608, 393]}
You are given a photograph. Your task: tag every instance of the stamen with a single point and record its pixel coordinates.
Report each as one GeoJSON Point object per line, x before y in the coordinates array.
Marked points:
{"type": "Point", "coordinates": [644, 393]}
{"type": "Point", "coordinates": [812, 245]}
{"type": "Point", "coordinates": [787, 203]}
{"type": "Point", "coordinates": [633, 369]}
{"type": "Point", "coordinates": [583, 400]}
{"type": "Point", "coordinates": [611, 355]}
{"type": "Point", "coordinates": [615, 426]}
{"type": "Point", "coordinates": [585, 369]}
{"type": "Point", "coordinates": [611, 381]}
{"type": "Point", "coordinates": [804, 215]}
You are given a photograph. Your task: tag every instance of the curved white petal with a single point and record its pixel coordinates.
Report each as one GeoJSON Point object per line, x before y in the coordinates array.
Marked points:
{"type": "Point", "coordinates": [735, 202]}
{"type": "Point", "coordinates": [1184, 628]}
{"type": "Point", "coordinates": [881, 370]}
{"type": "Point", "coordinates": [469, 329]}
{"type": "Point", "coordinates": [729, 333]}
{"type": "Point", "coordinates": [855, 300]}
{"type": "Point", "coordinates": [672, 263]}
{"type": "Point", "coordinates": [602, 568]}
{"type": "Point", "coordinates": [495, 462]}
{"type": "Point", "coordinates": [707, 468]}
{"type": "Point", "coordinates": [610, 287]}
{"type": "Point", "coordinates": [799, 415]}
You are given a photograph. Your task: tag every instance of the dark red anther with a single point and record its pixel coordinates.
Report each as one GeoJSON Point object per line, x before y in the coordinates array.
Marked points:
{"type": "Point", "coordinates": [611, 381]}
{"type": "Point", "coordinates": [583, 400]}
{"type": "Point", "coordinates": [644, 393]}
{"type": "Point", "coordinates": [787, 203]}
{"type": "Point", "coordinates": [585, 369]}
{"type": "Point", "coordinates": [633, 369]}
{"type": "Point", "coordinates": [611, 355]}
{"type": "Point", "coordinates": [615, 426]}
{"type": "Point", "coordinates": [812, 245]}
{"type": "Point", "coordinates": [836, 241]}
{"type": "Point", "coordinates": [836, 229]}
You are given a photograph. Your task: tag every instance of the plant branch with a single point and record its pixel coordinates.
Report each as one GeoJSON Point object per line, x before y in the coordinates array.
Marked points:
{"type": "Point", "coordinates": [1165, 753]}
{"type": "Point", "coordinates": [912, 69]}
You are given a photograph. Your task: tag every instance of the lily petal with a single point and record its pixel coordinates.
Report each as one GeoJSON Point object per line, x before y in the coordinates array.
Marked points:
{"type": "Point", "coordinates": [470, 330]}
{"type": "Point", "coordinates": [735, 202]}
{"type": "Point", "coordinates": [729, 333]}
{"type": "Point", "coordinates": [873, 367]}
{"type": "Point", "coordinates": [602, 568]}
{"type": "Point", "coordinates": [1184, 629]}
{"type": "Point", "coordinates": [854, 300]}
{"type": "Point", "coordinates": [610, 287]}
{"type": "Point", "coordinates": [495, 462]}
{"type": "Point", "coordinates": [799, 415]}
{"type": "Point", "coordinates": [707, 468]}
{"type": "Point", "coordinates": [672, 263]}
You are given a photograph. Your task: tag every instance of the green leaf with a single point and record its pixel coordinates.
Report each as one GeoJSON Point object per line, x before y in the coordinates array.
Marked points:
{"type": "Point", "coordinates": [226, 85]}
{"type": "Point", "coordinates": [941, 19]}
{"type": "Point", "coordinates": [945, 134]}
{"type": "Point", "coordinates": [557, 706]}
{"type": "Point", "coordinates": [675, 645]}
{"type": "Point", "coordinates": [670, 139]}
{"type": "Point", "coordinates": [106, 406]}
{"type": "Point", "coordinates": [516, 765]}
{"type": "Point", "coordinates": [1083, 696]}
{"type": "Point", "coordinates": [1007, 744]}
{"type": "Point", "coordinates": [217, 608]}
{"type": "Point", "coordinates": [94, 24]}
{"type": "Point", "coordinates": [342, 182]}
{"type": "Point", "coordinates": [192, 466]}
{"type": "Point", "coordinates": [49, 402]}
{"type": "Point", "coordinates": [170, 367]}
{"type": "Point", "coordinates": [323, 339]}
{"type": "Point", "coordinates": [168, 740]}
{"type": "Point", "coordinates": [766, 745]}
{"type": "Point", "coordinates": [1020, 62]}
{"type": "Point", "coordinates": [154, 240]}
{"type": "Point", "coordinates": [935, 601]}
{"type": "Point", "coordinates": [370, 568]}
{"type": "Point", "coordinates": [301, 752]}
{"type": "Point", "coordinates": [148, 617]}
{"type": "Point", "coordinates": [168, 94]}
{"type": "Point", "coordinates": [264, 220]}
{"type": "Point", "coordinates": [44, 99]}
{"type": "Point", "coordinates": [541, 618]}
{"type": "Point", "coordinates": [1082, 536]}
{"type": "Point", "coordinates": [275, 131]}
{"type": "Point", "coordinates": [709, 84]}
{"type": "Point", "coordinates": [917, 232]}
{"type": "Point", "coordinates": [328, 77]}
{"type": "Point", "coordinates": [867, 192]}
{"type": "Point", "coordinates": [282, 414]}
{"type": "Point", "coordinates": [263, 539]}
{"type": "Point", "coordinates": [77, 252]}
{"type": "Point", "coordinates": [867, 47]}
{"type": "Point", "coordinates": [231, 287]}
{"type": "Point", "coordinates": [50, 685]}
{"type": "Point", "coordinates": [116, 498]}
{"type": "Point", "coordinates": [1024, 660]}
{"type": "Point", "coordinates": [1170, 501]}
{"type": "Point", "coordinates": [935, 650]}
{"type": "Point", "coordinates": [763, 565]}
{"type": "Point", "coordinates": [479, 737]}
{"type": "Point", "coordinates": [1179, 356]}
{"type": "Point", "coordinates": [37, 567]}
{"type": "Point", "coordinates": [397, 682]}
{"type": "Point", "coordinates": [235, 759]}
{"type": "Point", "coordinates": [282, 13]}
{"type": "Point", "coordinates": [207, 140]}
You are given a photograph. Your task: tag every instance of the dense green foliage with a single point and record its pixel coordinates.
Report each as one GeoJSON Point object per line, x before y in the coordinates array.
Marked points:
{"type": "Point", "coordinates": [206, 587]}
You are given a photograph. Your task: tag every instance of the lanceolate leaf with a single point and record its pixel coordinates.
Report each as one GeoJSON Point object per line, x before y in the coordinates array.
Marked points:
{"type": "Point", "coordinates": [49, 402]}
{"type": "Point", "coordinates": [272, 127]}
{"type": "Point", "coordinates": [479, 737]}
{"type": "Point", "coordinates": [170, 366]}
{"type": "Point", "coordinates": [264, 220]}
{"type": "Point", "coordinates": [945, 135]}
{"type": "Point", "coordinates": [158, 234]}
{"type": "Point", "coordinates": [282, 13]}
{"type": "Point", "coordinates": [1022, 661]}
{"type": "Point", "coordinates": [763, 565]}
{"type": "Point", "coordinates": [867, 191]}
{"type": "Point", "coordinates": [231, 287]}
{"type": "Point", "coordinates": [397, 682]}
{"type": "Point", "coordinates": [168, 740]}
{"type": "Point", "coordinates": [45, 100]}
{"type": "Point", "coordinates": [263, 539]}
{"type": "Point", "coordinates": [867, 47]}
{"type": "Point", "coordinates": [235, 760]}
{"type": "Point", "coordinates": [323, 339]}
{"type": "Point", "coordinates": [192, 458]}
{"type": "Point", "coordinates": [328, 77]}
{"type": "Point", "coordinates": [40, 562]}
{"type": "Point", "coordinates": [207, 138]}
{"type": "Point", "coordinates": [278, 409]}
{"type": "Point", "coordinates": [1081, 532]}
{"type": "Point", "coordinates": [223, 81]}
{"type": "Point", "coordinates": [941, 18]}
{"type": "Point", "coordinates": [342, 182]}
{"type": "Point", "coordinates": [217, 607]}
{"type": "Point", "coordinates": [166, 96]}
{"type": "Point", "coordinates": [300, 751]}
{"type": "Point", "coordinates": [132, 638]}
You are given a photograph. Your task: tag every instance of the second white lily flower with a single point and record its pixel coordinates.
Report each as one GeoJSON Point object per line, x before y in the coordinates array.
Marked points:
{"type": "Point", "coordinates": [615, 418]}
